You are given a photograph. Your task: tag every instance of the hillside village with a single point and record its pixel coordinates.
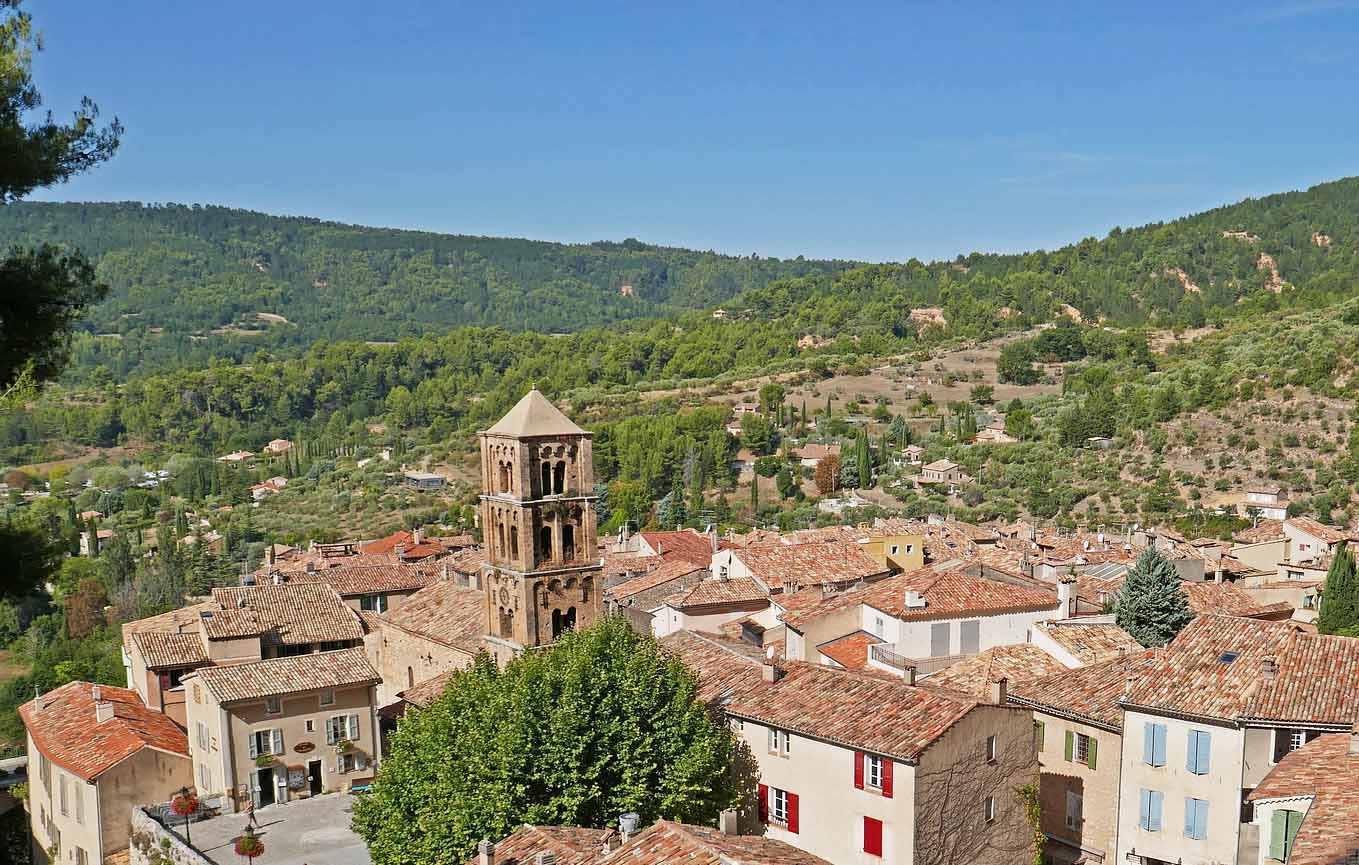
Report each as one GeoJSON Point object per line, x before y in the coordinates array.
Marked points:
{"type": "Point", "coordinates": [910, 690]}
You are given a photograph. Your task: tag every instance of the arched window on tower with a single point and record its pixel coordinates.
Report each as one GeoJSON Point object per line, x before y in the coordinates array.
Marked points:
{"type": "Point", "coordinates": [557, 624]}
{"type": "Point", "coordinates": [506, 623]}
{"type": "Point", "coordinates": [410, 677]}
{"type": "Point", "coordinates": [514, 542]}
{"type": "Point", "coordinates": [545, 544]}
{"type": "Point", "coordinates": [559, 478]}
{"type": "Point", "coordinates": [500, 534]}
{"type": "Point", "coordinates": [546, 476]}
{"type": "Point", "coordinates": [569, 620]}
{"type": "Point", "coordinates": [569, 542]}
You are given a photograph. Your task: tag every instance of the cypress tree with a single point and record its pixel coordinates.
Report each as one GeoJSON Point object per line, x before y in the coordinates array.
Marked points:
{"type": "Point", "coordinates": [828, 406]}
{"type": "Point", "coordinates": [804, 412]}
{"type": "Point", "coordinates": [1339, 612]}
{"type": "Point", "coordinates": [754, 499]}
{"type": "Point", "coordinates": [1151, 605]}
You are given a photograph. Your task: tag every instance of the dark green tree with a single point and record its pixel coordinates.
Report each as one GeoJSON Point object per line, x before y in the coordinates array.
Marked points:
{"type": "Point", "coordinates": [1339, 613]}
{"type": "Point", "coordinates": [1151, 605]}
{"type": "Point", "coordinates": [602, 724]}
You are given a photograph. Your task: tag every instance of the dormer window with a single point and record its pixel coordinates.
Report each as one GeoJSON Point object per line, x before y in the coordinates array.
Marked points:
{"type": "Point", "coordinates": [273, 705]}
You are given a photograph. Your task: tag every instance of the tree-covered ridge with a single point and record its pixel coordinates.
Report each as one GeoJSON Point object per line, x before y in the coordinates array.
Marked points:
{"type": "Point", "coordinates": [192, 269]}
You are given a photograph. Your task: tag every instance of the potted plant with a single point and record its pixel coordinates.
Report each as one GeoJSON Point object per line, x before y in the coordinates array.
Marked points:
{"type": "Point", "coordinates": [185, 804]}
{"type": "Point", "coordinates": [264, 761]}
{"type": "Point", "coordinates": [248, 846]}
{"type": "Point", "coordinates": [343, 746]}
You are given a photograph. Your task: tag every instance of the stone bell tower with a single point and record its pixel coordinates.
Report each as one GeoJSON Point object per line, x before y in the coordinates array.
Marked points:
{"type": "Point", "coordinates": [543, 574]}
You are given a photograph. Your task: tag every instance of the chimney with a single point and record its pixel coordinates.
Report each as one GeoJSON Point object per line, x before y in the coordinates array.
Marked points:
{"type": "Point", "coordinates": [96, 693]}
{"type": "Point", "coordinates": [727, 823]}
{"type": "Point", "coordinates": [1000, 691]}
{"type": "Point", "coordinates": [1217, 573]}
{"type": "Point", "coordinates": [103, 711]}
{"type": "Point", "coordinates": [1066, 596]}
{"type": "Point", "coordinates": [485, 853]}
{"type": "Point", "coordinates": [770, 672]}
{"type": "Point", "coordinates": [545, 857]}
{"type": "Point", "coordinates": [400, 551]}
{"type": "Point", "coordinates": [1269, 668]}
{"type": "Point", "coordinates": [627, 825]}
{"type": "Point", "coordinates": [914, 600]}
{"type": "Point", "coordinates": [311, 567]}
{"type": "Point", "coordinates": [712, 537]}
{"type": "Point", "coordinates": [417, 537]}
{"type": "Point", "coordinates": [909, 675]}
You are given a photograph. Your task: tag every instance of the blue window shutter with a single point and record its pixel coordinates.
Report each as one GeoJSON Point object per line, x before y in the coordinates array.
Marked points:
{"type": "Point", "coordinates": [1148, 743]}
{"type": "Point", "coordinates": [1145, 810]}
{"type": "Point", "coordinates": [1190, 817]}
{"type": "Point", "coordinates": [1205, 757]}
{"type": "Point", "coordinates": [1201, 820]}
{"type": "Point", "coordinates": [1191, 754]}
{"type": "Point", "coordinates": [1157, 799]}
{"type": "Point", "coordinates": [1159, 740]}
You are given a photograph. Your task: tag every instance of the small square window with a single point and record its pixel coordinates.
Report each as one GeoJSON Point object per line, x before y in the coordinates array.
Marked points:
{"type": "Point", "coordinates": [779, 741]}
{"type": "Point", "coordinates": [874, 772]}
{"type": "Point", "coordinates": [310, 725]}
{"type": "Point", "coordinates": [273, 705]}
{"type": "Point", "coordinates": [990, 749]}
{"type": "Point", "coordinates": [778, 811]}
{"type": "Point", "coordinates": [328, 697]}
{"type": "Point", "coordinates": [989, 808]}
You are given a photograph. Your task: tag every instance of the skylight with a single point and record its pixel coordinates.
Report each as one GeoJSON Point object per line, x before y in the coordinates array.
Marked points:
{"type": "Point", "coordinates": [1228, 657]}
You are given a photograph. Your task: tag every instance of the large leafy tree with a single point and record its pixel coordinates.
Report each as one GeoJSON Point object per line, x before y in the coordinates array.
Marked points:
{"type": "Point", "coordinates": [1339, 612]}
{"type": "Point", "coordinates": [601, 724]}
{"type": "Point", "coordinates": [1151, 605]}
{"type": "Point", "coordinates": [44, 290]}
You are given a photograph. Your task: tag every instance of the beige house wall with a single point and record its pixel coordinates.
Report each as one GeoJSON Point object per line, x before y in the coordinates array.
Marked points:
{"type": "Point", "coordinates": [148, 777]}
{"type": "Point", "coordinates": [1264, 556]}
{"type": "Point", "coordinates": [1098, 787]}
{"type": "Point", "coordinates": [404, 659]}
{"type": "Point", "coordinates": [1220, 787]}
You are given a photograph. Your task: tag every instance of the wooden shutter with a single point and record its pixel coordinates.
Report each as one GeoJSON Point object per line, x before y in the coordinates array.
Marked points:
{"type": "Point", "coordinates": [792, 813]}
{"type": "Point", "coordinates": [1158, 738]}
{"type": "Point", "coordinates": [1205, 742]}
{"type": "Point", "coordinates": [254, 746]}
{"type": "Point", "coordinates": [858, 770]}
{"type": "Point", "coordinates": [278, 741]}
{"type": "Point", "coordinates": [1091, 752]}
{"type": "Point", "coordinates": [353, 728]}
{"type": "Point", "coordinates": [1156, 800]}
{"type": "Point", "coordinates": [1144, 809]}
{"type": "Point", "coordinates": [1190, 815]}
{"type": "Point", "coordinates": [1070, 746]}
{"type": "Point", "coordinates": [1149, 743]}
{"type": "Point", "coordinates": [1291, 826]}
{"type": "Point", "coordinates": [764, 803]}
{"type": "Point", "coordinates": [887, 777]}
{"type": "Point", "coordinates": [1191, 757]}
{"type": "Point", "coordinates": [1278, 830]}
{"type": "Point", "coordinates": [1039, 734]}
{"type": "Point", "coordinates": [872, 836]}
{"type": "Point", "coordinates": [1201, 819]}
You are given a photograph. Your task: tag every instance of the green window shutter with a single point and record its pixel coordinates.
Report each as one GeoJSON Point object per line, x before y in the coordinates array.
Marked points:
{"type": "Point", "coordinates": [1293, 825]}
{"type": "Point", "coordinates": [1039, 734]}
{"type": "Point", "coordinates": [1070, 745]}
{"type": "Point", "coordinates": [1090, 754]}
{"type": "Point", "coordinates": [1278, 828]}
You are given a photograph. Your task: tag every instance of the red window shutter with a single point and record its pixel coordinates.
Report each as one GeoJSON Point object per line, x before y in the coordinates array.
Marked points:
{"type": "Point", "coordinates": [859, 769]}
{"type": "Point", "coordinates": [886, 778]}
{"type": "Point", "coordinates": [792, 813]}
{"type": "Point", "coordinates": [872, 836]}
{"type": "Point", "coordinates": [764, 803]}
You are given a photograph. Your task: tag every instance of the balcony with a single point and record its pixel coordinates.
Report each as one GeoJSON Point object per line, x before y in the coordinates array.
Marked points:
{"type": "Point", "coordinates": [881, 656]}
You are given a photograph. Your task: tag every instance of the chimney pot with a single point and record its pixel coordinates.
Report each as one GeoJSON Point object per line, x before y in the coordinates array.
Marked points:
{"type": "Point", "coordinates": [770, 672]}
{"type": "Point", "coordinates": [727, 822]}
{"type": "Point", "coordinates": [1270, 668]}
{"type": "Point", "coordinates": [545, 857]}
{"type": "Point", "coordinates": [627, 825]}
{"type": "Point", "coordinates": [400, 550]}
{"type": "Point", "coordinates": [909, 674]}
{"type": "Point", "coordinates": [96, 693]}
{"type": "Point", "coordinates": [1000, 691]}
{"type": "Point", "coordinates": [485, 853]}
{"type": "Point", "coordinates": [102, 712]}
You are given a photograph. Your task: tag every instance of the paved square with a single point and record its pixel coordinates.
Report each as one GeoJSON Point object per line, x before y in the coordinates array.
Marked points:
{"type": "Point", "coordinates": [304, 831]}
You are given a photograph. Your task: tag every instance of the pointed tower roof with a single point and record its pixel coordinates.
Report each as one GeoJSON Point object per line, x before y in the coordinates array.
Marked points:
{"type": "Point", "coordinates": [534, 415]}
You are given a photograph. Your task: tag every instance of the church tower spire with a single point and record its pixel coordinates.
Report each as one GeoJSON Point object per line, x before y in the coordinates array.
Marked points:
{"type": "Point", "coordinates": [543, 573]}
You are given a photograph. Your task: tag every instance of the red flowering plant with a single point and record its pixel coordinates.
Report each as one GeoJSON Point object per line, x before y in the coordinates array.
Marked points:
{"type": "Point", "coordinates": [248, 846]}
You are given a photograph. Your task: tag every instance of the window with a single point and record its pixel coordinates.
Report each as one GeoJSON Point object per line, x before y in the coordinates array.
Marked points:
{"type": "Point", "coordinates": [1196, 819]}
{"type": "Point", "coordinates": [78, 793]}
{"type": "Point", "coordinates": [373, 603]}
{"type": "Point", "coordinates": [342, 727]}
{"type": "Point", "coordinates": [266, 742]}
{"type": "Point", "coordinates": [939, 639]}
{"type": "Point", "coordinates": [1075, 805]}
{"type": "Point", "coordinates": [310, 725]}
{"type": "Point", "coordinates": [989, 808]}
{"type": "Point", "coordinates": [351, 762]}
{"type": "Point", "coordinates": [778, 741]}
{"type": "Point", "coordinates": [894, 550]}
{"type": "Point", "coordinates": [874, 772]}
{"type": "Point", "coordinates": [273, 705]}
{"type": "Point", "coordinates": [1198, 759]}
{"type": "Point", "coordinates": [1288, 740]}
{"type": "Point", "coordinates": [201, 736]}
{"type": "Point", "coordinates": [1154, 744]}
{"type": "Point", "coordinates": [878, 626]}
{"type": "Point", "coordinates": [1081, 748]}
{"type": "Point", "coordinates": [1283, 831]}
{"type": "Point", "coordinates": [328, 697]}
{"type": "Point", "coordinates": [81, 857]}
{"type": "Point", "coordinates": [778, 811]}
{"type": "Point", "coordinates": [910, 548]}
{"type": "Point", "coordinates": [1150, 813]}
{"type": "Point", "coordinates": [1039, 728]}
{"type": "Point", "coordinates": [65, 805]}
{"type": "Point", "coordinates": [969, 634]}
{"type": "Point", "coordinates": [204, 778]}
{"type": "Point", "coordinates": [872, 836]}
{"type": "Point", "coordinates": [990, 749]}
{"type": "Point", "coordinates": [171, 680]}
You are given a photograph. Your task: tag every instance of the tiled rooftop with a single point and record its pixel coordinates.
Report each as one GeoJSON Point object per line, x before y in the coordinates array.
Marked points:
{"type": "Point", "coordinates": [724, 666]}
{"type": "Point", "coordinates": [718, 591]}
{"type": "Point", "coordinates": [291, 675]}
{"type": "Point", "coordinates": [446, 613]}
{"type": "Point", "coordinates": [663, 573]}
{"type": "Point", "coordinates": [1090, 643]}
{"type": "Point", "coordinates": [948, 594]}
{"type": "Point", "coordinates": [1089, 693]}
{"type": "Point", "coordinates": [880, 714]}
{"type": "Point", "coordinates": [687, 545]}
{"type": "Point", "coordinates": [1265, 530]}
{"type": "Point", "coordinates": [160, 650]}
{"type": "Point", "coordinates": [1020, 663]}
{"type": "Point", "coordinates": [1204, 598]}
{"type": "Point", "coordinates": [851, 650]}
{"type": "Point", "coordinates": [288, 614]}
{"type": "Point", "coordinates": [367, 579]}
{"type": "Point", "coordinates": [426, 692]}
{"type": "Point", "coordinates": [68, 732]}
{"type": "Point", "coordinates": [1316, 680]}
{"type": "Point", "coordinates": [182, 620]}
{"type": "Point", "coordinates": [1319, 530]}
{"type": "Point", "coordinates": [778, 566]}
{"type": "Point", "coordinates": [1325, 769]}
{"type": "Point", "coordinates": [662, 843]}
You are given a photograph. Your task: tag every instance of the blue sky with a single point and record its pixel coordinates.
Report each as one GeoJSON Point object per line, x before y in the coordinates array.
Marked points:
{"type": "Point", "coordinates": [855, 130]}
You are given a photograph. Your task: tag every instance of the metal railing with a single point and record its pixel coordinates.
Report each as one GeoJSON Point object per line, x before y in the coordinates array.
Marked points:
{"type": "Point", "coordinates": [923, 666]}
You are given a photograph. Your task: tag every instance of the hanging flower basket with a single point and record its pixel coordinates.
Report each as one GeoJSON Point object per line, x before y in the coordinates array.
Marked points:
{"type": "Point", "coordinates": [343, 746]}
{"type": "Point", "coordinates": [264, 761]}
{"type": "Point", "coordinates": [184, 804]}
{"type": "Point", "coordinates": [248, 846]}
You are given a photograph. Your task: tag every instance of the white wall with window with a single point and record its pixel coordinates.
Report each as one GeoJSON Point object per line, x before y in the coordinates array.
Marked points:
{"type": "Point", "coordinates": [926, 638]}
{"type": "Point", "coordinates": [1278, 822]}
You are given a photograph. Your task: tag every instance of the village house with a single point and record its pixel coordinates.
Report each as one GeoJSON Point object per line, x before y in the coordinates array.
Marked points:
{"type": "Point", "coordinates": [1265, 500]}
{"type": "Point", "coordinates": [1306, 810]}
{"type": "Point", "coordinates": [261, 491]}
{"type": "Point", "coordinates": [778, 568]}
{"type": "Point", "coordinates": [236, 457]}
{"type": "Point", "coordinates": [278, 446]}
{"type": "Point", "coordinates": [373, 588]}
{"type": "Point", "coordinates": [911, 454]}
{"type": "Point", "coordinates": [712, 603]}
{"type": "Point", "coordinates": [421, 480]}
{"type": "Point", "coordinates": [810, 455]}
{"type": "Point", "coordinates": [994, 434]}
{"type": "Point", "coordinates": [920, 621]}
{"type": "Point", "coordinates": [271, 730]}
{"type": "Point", "coordinates": [92, 751]}
{"type": "Point", "coordinates": [437, 629]}
{"type": "Point", "coordinates": [1218, 709]}
{"type": "Point", "coordinates": [944, 474]}
{"type": "Point", "coordinates": [860, 768]}
{"type": "Point", "coordinates": [643, 595]}
{"type": "Point", "coordinates": [101, 538]}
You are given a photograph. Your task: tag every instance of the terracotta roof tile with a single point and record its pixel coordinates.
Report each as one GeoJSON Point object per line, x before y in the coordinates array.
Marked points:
{"type": "Point", "coordinates": [446, 613]}
{"type": "Point", "coordinates": [1318, 530]}
{"type": "Point", "coordinates": [780, 565]}
{"type": "Point", "coordinates": [426, 692]}
{"type": "Point", "coordinates": [160, 649]}
{"type": "Point", "coordinates": [724, 666]}
{"type": "Point", "coordinates": [182, 620]}
{"type": "Point", "coordinates": [1326, 770]}
{"type": "Point", "coordinates": [367, 579]}
{"type": "Point", "coordinates": [1089, 642]}
{"type": "Point", "coordinates": [1089, 693]}
{"type": "Point", "coordinates": [851, 650]}
{"type": "Point", "coordinates": [667, 843]}
{"type": "Point", "coordinates": [1265, 530]}
{"type": "Point", "coordinates": [880, 714]}
{"type": "Point", "coordinates": [716, 591]}
{"type": "Point", "coordinates": [1204, 597]}
{"type": "Point", "coordinates": [1317, 678]}
{"type": "Point", "coordinates": [67, 731]}
{"type": "Point", "coordinates": [571, 845]}
{"type": "Point", "coordinates": [688, 545]}
{"type": "Point", "coordinates": [288, 614]}
{"type": "Point", "coordinates": [948, 594]}
{"type": "Point", "coordinates": [1019, 664]}
{"type": "Point", "coordinates": [277, 676]}
{"type": "Point", "coordinates": [665, 572]}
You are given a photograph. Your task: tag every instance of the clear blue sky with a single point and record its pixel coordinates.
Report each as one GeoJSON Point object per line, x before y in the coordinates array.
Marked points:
{"type": "Point", "coordinates": [857, 130]}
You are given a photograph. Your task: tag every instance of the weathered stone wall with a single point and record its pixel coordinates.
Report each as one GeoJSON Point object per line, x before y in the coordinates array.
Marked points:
{"type": "Point", "coordinates": [151, 844]}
